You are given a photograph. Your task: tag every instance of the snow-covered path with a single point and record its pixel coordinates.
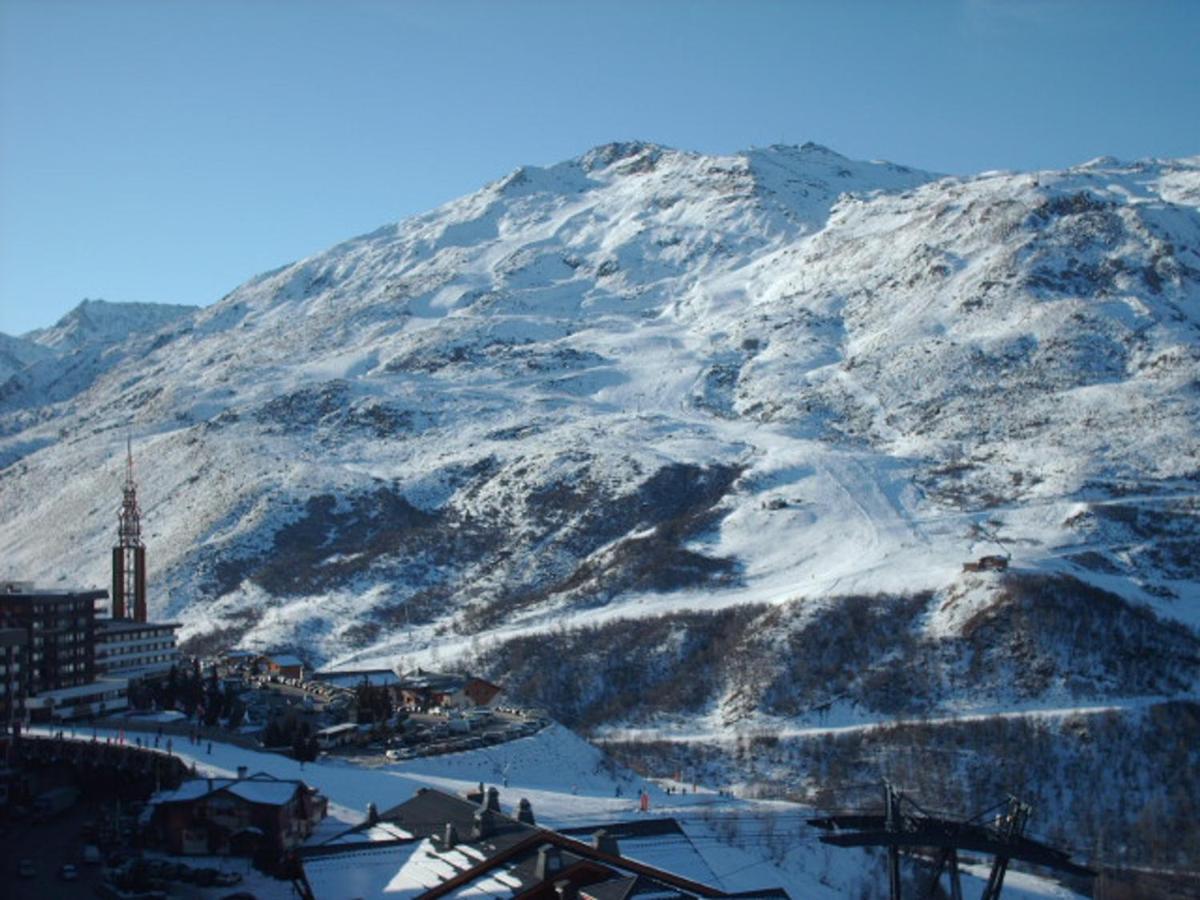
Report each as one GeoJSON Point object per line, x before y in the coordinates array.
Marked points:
{"type": "Point", "coordinates": [793, 731]}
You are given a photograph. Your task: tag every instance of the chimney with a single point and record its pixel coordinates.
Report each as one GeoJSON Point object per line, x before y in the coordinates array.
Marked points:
{"type": "Point", "coordinates": [493, 800]}
{"type": "Point", "coordinates": [210, 785]}
{"type": "Point", "coordinates": [605, 843]}
{"type": "Point", "coordinates": [483, 824]}
{"type": "Point", "coordinates": [549, 861]}
{"type": "Point", "coordinates": [451, 837]}
{"type": "Point", "coordinates": [525, 812]}
{"type": "Point", "coordinates": [372, 814]}
{"type": "Point", "coordinates": [241, 770]}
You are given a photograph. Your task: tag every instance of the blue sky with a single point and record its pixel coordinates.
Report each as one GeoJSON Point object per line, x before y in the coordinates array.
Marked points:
{"type": "Point", "coordinates": [166, 150]}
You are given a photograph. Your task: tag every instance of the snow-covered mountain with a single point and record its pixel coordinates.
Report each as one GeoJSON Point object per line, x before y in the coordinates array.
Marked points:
{"type": "Point", "coordinates": [828, 376]}
{"type": "Point", "coordinates": [101, 322]}
{"type": "Point", "coordinates": [651, 424]}
{"type": "Point", "coordinates": [16, 353]}
{"type": "Point", "coordinates": [57, 363]}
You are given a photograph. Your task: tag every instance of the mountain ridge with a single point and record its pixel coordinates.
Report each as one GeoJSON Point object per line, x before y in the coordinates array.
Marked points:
{"type": "Point", "coordinates": [95, 321]}
{"type": "Point", "coordinates": [860, 355]}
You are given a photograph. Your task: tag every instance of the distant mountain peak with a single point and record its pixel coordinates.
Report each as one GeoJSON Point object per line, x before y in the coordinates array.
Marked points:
{"type": "Point", "coordinates": [95, 320]}
{"type": "Point", "coordinates": [605, 155]}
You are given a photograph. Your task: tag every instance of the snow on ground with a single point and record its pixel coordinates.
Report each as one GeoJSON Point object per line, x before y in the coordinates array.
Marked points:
{"type": "Point", "coordinates": [910, 371]}
{"type": "Point", "coordinates": [742, 844]}
{"type": "Point", "coordinates": [841, 328]}
{"type": "Point", "coordinates": [843, 718]}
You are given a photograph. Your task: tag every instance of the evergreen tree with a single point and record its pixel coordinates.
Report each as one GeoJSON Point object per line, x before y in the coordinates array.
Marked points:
{"type": "Point", "coordinates": [237, 713]}
{"type": "Point", "coordinates": [273, 735]}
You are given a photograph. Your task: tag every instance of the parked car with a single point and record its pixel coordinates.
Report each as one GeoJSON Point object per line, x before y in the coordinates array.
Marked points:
{"type": "Point", "coordinates": [119, 858]}
{"type": "Point", "coordinates": [91, 854]}
{"type": "Point", "coordinates": [68, 872]}
{"type": "Point", "coordinates": [157, 868]}
{"type": "Point", "coordinates": [52, 802]}
{"type": "Point", "coordinates": [25, 868]}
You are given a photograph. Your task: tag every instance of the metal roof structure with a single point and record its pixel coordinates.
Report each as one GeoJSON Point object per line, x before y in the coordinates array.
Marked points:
{"type": "Point", "coordinates": [1003, 839]}
{"type": "Point", "coordinates": [440, 845]}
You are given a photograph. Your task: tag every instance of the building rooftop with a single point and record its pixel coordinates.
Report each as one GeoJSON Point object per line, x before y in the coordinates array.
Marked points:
{"type": "Point", "coordinates": [103, 683]}
{"type": "Point", "coordinates": [17, 591]}
{"type": "Point", "coordinates": [136, 673]}
{"type": "Point", "coordinates": [286, 659]}
{"type": "Point", "coordinates": [658, 842]}
{"type": "Point", "coordinates": [354, 677]}
{"type": "Point", "coordinates": [118, 625]}
{"type": "Point", "coordinates": [259, 788]}
{"type": "Point", "coordinates": [434, 681]}
{"type": "Point", "coordinates": [434, 840]}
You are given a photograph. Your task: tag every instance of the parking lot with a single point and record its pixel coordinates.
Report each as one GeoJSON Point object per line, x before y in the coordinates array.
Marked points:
{"type": "Point", "coordinates": [35, 853]}
{"type": "Point", "coordinates": [282, 712]}
{"type": "Point", "coordinates": [49, 846]}
{"type": "Point", "coordinates": [432, 734]}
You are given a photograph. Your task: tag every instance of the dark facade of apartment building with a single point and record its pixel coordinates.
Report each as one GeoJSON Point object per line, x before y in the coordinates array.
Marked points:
{"type": "Point", "coordinates": [14, 672]}
{"type": "Point", "coordinates": [60, 633]}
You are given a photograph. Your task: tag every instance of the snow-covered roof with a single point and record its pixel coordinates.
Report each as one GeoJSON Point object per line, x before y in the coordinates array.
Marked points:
{"type": "Point", "coordinates": [373, 677]}
{"type": "Point", "coordinates": [381, 831]}
{"type": "Point", "coordinates": [192, 789]}
{"type": "Point", "coordinates": [368, 873]}
{"type": "Point", "coordinates": [437, 681]}
{"type": "Point", "coordinates": [657, 842]}
{"type": "Point", "coordinates": [404, 854]}
{"type": "Point", "coordinates": [270, 793]}
{"type": "Point", "coordinates": [261, 789]}
{"type": "Point", "coordinates": [102, 684]}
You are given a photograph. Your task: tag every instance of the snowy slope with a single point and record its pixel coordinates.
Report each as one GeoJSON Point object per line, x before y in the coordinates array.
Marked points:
{"type": "Point", "coordinates": [649, 383]}
{"type": "Point", "coordinates": [16, 353]}
{"type": "Point", "coordinates": [53, 365]}
{"type": "Point", "coordinates": [735, 844]}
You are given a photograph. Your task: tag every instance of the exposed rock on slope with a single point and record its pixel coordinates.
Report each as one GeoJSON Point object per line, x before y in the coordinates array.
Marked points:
{"type": "Point", "coordinates": [694, 443]}
{"type": "Point", "coordinates": [644, 381]}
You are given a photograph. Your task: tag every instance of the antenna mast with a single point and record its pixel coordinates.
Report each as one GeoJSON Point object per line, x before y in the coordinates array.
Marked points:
{"type": "Point", "coordinates": [129, 556]}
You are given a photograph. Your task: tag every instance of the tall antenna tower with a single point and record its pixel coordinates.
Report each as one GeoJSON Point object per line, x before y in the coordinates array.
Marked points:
{"type": "Point", "coordinates": [129, 555]}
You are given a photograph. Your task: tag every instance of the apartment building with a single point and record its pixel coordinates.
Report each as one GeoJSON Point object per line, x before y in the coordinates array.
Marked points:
{"type": "Point", "coordinates": [135, 650]}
